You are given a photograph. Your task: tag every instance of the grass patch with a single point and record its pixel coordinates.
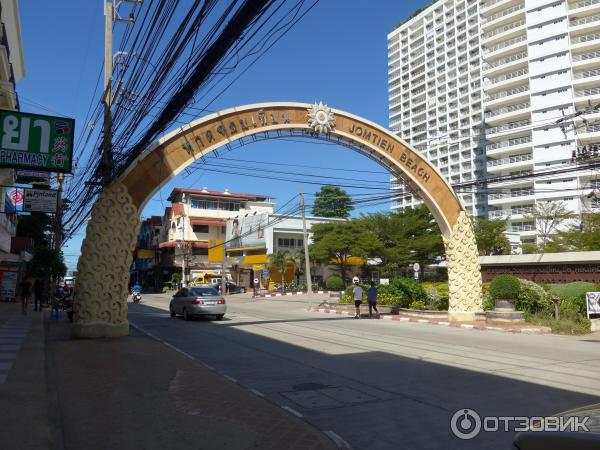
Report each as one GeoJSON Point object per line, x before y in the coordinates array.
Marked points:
{"type": "Point", "coordinates": [564, 325]}
{"type": "Point", "coordinates": [574, 289]}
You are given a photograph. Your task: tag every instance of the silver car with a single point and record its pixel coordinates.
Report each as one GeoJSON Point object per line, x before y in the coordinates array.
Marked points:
{"type": "Point", "coordinates": [198, 301]}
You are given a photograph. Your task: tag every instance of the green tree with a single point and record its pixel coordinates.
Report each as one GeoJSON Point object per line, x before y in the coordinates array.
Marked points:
{"type": "Point", "coordinates": [490, 236]}
{"type": "Point", "coordinates": [584, 236]}
{"type": "Point", "coordinates": [335, 243]}
{"type": "Point", "coordinates": [47, 263]}
{"type": "Point", "coordinates": [331, 201]}
{"type": "Point", "coordinates": [548, 217]}
{"type": "Point", "coordinates": [406, 237]}
{"type": "Point", "coordinates": [279, 260]}
{"type": "Point", "coordinates": [37, 226]}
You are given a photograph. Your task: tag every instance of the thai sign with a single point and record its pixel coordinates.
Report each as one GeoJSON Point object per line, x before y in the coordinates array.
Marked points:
{"type": "Point", "coordinates": [36, 142]}
{"type": "Point", "coordinates": [593, 303]}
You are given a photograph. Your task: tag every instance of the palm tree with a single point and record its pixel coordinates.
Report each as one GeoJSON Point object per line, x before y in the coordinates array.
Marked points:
{"type": "Point", "coordinates": [279, 261]}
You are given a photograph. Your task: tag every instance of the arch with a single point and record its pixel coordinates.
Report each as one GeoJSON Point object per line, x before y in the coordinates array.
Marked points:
{"type": "Point", "coordinates": [106, 252]}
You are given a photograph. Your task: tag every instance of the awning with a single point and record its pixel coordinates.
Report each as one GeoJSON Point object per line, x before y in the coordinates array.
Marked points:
{"type": "Point", "coordinates": [194, 244]}
{"type": "Point", "coordinates": [214, 223]}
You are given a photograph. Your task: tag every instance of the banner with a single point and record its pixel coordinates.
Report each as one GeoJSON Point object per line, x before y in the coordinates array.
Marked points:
{"type": "Point", "coordinates": [593, 303]}
{"type": "Point", "coordinates": [19, 199]}
{"type": "Point", "coordinates": [36, 142]}
{"type": "Point", "coordinates": [248, 231]}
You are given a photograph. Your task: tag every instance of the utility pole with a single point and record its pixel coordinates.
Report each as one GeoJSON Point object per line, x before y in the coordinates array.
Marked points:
{"type": "Point", "coordinates": [183, 283]}
{"type": "Point", "coordinates": [107, 157]}
{"type": "Point", "coordinates": [306, 257]}
{"type": "Point", "coordinates": [58, 233]}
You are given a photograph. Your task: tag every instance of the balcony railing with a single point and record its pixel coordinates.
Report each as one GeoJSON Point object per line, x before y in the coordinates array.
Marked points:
{"type": "Point", "coordinates": [510, 212]}
{"type": "Point", "coordinates": [504, 12]}
{"type": "Point", "coordinates": [510, 160]}
{"type": "Point", "coordinates": [508, 126]}
{"type": "Point", "coordinates": [509, 59]}
{"type": "Point", "coordinates": [508, 143]}
{"type": "Point", "coordinates": [586, 56]}
{"type": "Point", "coordinates": [586, 37]}
{"type": "Point", "coordinates": [490, 3]}
{"type": "Point", "coordinates": [583, 3]}
{"type": "Point", "coordinates": [586, 92]}
{"type": "Point", "coordinates": [584, 20]}
{"type": "Point", "coordinates": [504, 28]}
{"type": "Point", "coordinates": [524, 227]}
{"type": "Point", "coordinates": [519, 193]}
{"type": "Point", "coordinates": [507, 109]}
{"type": "Point", "coordinates": [508, 76]}
{"type": "Point", "coordinates": [592, 128]}
{"type": "Point", "coordinates": [587, 73]}
{"type": "Point", "coordinates": [503, 44]}
{"type": "Point", "coordinates": [507, 93]}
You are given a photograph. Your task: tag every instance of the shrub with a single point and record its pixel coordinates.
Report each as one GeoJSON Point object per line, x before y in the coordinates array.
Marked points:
{"type": "Point", "coordinates": [335, 283]}
{"type": "Point", "coordinates": [488, 302]}
{"type": "Point", "coordinates": [433, 297]}
{"type": "Point", "coordinates": [410, 289]}
{"type": "Point", "coordinates": [418, 304]}
{"type": "Point", "coordinates": [572, 307]}
{"type": "Point", "coordinates": [532, 298]}
{"type": "Point", "coordinates": [505, 287]}
{"type": "Point", "coordinates": [165, 289]}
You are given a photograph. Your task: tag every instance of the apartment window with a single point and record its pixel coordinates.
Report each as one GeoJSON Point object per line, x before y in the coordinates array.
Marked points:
{"type": "Point", "coordinates": [200, 228]}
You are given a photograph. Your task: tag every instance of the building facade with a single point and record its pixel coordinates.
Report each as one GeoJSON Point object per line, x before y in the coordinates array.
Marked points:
{"type": "Point", "coordinates": [540, 61]}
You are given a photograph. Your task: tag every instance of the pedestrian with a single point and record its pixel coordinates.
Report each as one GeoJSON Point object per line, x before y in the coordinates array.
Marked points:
{"type": "Point", "coordinates": [358, 297]}
{"type": "Point", "coordinates": [25, 292]}
{"type": "Point", "coordinates": [38, 291]}
{"type": "Point", "coordinates": [372, 299]}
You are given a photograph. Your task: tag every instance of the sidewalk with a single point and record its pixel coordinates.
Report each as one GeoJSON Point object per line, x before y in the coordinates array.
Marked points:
{"type": "Point", "coordinates": [128, 393]}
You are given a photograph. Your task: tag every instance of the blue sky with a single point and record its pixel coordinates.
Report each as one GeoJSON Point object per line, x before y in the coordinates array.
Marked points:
{"type": "Point", "coordinates": [337, 54]}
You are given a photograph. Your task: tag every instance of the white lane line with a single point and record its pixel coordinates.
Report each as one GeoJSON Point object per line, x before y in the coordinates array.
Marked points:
{"type": "Point", "coordinates": [255, 392]}
{"type": "Point", "coordinates": [339, 442]}
{"type": "Point", "coordinates": [293, 411]}
{"type": "Point", "coordinates": [233, 380]}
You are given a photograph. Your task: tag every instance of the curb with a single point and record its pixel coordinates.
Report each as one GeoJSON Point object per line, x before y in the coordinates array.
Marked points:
{"type": "Point", "coordinates": [291, 293]}
{"type": "Point", "coordinates": [468, 326]}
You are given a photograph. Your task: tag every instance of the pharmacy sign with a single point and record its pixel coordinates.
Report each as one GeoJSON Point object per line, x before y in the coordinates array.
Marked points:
{"type": "Point", "coordinates": [36, 142]}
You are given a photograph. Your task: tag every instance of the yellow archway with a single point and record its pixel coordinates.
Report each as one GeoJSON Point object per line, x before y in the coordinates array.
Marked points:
{"type": "Point", "coordinates": [101, 308]}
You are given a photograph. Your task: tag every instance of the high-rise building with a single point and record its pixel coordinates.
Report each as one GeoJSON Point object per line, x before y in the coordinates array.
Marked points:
{"type": "Point", "coordinates": [540, 61]}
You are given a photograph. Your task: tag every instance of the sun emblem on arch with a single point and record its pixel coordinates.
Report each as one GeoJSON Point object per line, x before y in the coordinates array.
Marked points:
{"type": "Point", "coordinates": [321, 118]}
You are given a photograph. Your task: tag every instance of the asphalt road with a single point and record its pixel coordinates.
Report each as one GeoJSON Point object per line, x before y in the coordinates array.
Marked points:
{"type": "Point", "coordinates": [381, 384]}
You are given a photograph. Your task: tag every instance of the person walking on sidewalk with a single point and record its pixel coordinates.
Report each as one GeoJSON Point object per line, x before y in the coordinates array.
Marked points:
{"type": "Point", "coordinates": [372, 299]}
{"type": "Point", "coordinates": [358, 296]}
{"type": "Point", "coordinates": [38, 291]}
{"type": "Point", "coordinates": [25, 292]}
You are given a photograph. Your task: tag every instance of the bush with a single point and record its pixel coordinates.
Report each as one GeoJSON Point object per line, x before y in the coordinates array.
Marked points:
{"type": "Point", "coordinates": [532, 298]}
{"type": "Point", "coordinates": [165, 289]}
{"type": "Point", "coordinates": [411, 289]}
{"type": "Point", "coordinates": [418, 304]}
{"type": "Point", "coordinates": [335, 283]}
{"type": "Point", "coordinates": [572, 307]}
{"type": "Point", "coordinates": [433, 297]}
{"type": "Point", "coordinates": [488, 302]}
{"type": "Point", "coordinates": [505, 287]}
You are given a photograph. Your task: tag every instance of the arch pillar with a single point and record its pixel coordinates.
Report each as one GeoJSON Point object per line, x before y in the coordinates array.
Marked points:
{"type": "Point", "coordinates": [100, 309]}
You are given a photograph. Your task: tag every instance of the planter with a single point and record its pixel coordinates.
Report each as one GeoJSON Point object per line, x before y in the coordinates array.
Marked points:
{"type": "Point", "coordinates": [504, 305]}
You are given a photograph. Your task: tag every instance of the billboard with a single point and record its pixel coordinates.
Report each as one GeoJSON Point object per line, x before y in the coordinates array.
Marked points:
{"type": "Point", "coordinates": [36, 142]}
{"type": "Point", "coordinates": [593, 303]}
{"type": "Point", "coordinates": [246, 231]}
{"type": "Point", "coordinates": [19, 199]}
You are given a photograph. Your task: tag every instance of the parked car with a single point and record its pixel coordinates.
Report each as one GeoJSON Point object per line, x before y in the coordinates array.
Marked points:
{"type": "Point", "coordinates": [232, 288]}
{"type": "Point", "coordinates": [198, 301]}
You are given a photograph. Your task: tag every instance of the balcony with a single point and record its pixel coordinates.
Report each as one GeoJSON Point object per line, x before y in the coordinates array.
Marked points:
{"type": "Point", "coordinates": [516, 195]}
{"type": "Point", "coordinates": [502, 29]}
{"type": "Point", "coordinates": [509, 160]}
{"type": "Point", "coordinates": [504, 44]}
{"type": "Point", "coordinates": [500, 213]}
{"type": "Point", "coordinates": [585, 56]}
{"type": "Point", "coordinates": [583, 4]}
{"type": "Point", "coordinates": [587, 92]}
{"type": "Point", "coordinates": [500, 62]}
{"type": "Point", "coordinates": [587, 73]}
{"type": "Point", "coordinates": [508, 143]}
{"type": "Point", "coordinates": [585, 38]}
{"type": "Point", "coordinates": [584, 20]}
{"type": "Point", "coordinates": [507, 76]}
{"type": "Point", "coordinates": [509, 126]}
{"type": "Point", "coordinates": [522, 227]}
{"type": "Point", "coordinates": [507, 93]}
{"type": "Point", "coordinates": [503, 13]}
{"type": "Point", "coordinates": [507, 109]}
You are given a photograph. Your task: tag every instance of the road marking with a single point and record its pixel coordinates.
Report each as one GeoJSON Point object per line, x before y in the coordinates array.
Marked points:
{"type": "Point", "coordinates": [233, 380]}
{"type": "Point", "coordinates": [339, 442]}
{"type": "Point", "coordinates": [292, 411]}
{"type": "Point", "coordinates": [255, 392]}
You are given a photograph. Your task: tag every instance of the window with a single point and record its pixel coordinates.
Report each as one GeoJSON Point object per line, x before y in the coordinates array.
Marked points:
{"type": "Point", "coordinates": [200, 228]}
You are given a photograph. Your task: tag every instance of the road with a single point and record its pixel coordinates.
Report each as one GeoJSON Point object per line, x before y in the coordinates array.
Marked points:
{"type": "Point", "coordinates": [381, 384]}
